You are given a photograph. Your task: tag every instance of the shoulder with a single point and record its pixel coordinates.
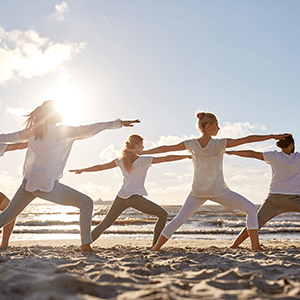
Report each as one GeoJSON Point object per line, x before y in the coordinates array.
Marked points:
{"type": "Point", "coordinates": [118, 161]}
{"type": "Point", "coordinates": [221, 143]}
{"type": "Point", "coordinates": [190, 142]}
{"type": "Point", "coordinates": [271, 155]}
{"type": "Point", "coordinates": [145, 159]}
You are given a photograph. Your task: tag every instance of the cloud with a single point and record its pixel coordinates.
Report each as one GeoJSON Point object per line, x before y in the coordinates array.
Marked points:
{"type": "Point", "coordinates": [17, 111]}
{"type": "Point", "coordinates": [24, 54]}
{"type": "Point", "coordinates": [235, 130]}
{"type": "Point", "coordinates": [109, 153]}
{"type": "Point", "coordinates": [61, 11]}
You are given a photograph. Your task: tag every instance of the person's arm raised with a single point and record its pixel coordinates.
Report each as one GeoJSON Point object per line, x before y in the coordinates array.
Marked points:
{"type": "Point", "coordinates": [95, 168]}
{"type": "Point", "coordinates": [157, 160]}
{"type": "Point", "coordinates": [254, 139]}
{"type": "Point", "coordinates": [246, 153]}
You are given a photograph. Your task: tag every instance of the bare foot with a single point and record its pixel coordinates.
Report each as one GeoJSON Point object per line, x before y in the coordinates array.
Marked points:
{"type": "Point", "coordinates": [257, 249]}
{"type": "Point", "coordinates": [86, 248]}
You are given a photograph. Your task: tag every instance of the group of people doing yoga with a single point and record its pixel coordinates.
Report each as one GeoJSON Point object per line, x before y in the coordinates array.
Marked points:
{"type": "Point", "coordinates": [49, 144]}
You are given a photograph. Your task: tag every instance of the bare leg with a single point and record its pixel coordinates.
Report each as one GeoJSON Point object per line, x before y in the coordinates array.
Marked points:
{"type": "Point", "coordinates": [240, 238]}
{"type": "Point", "coordinates": [161, 241]}
{"type": "Point", "coordinates": [253, 234]}
{"type": "Point", "coordinates": [8, 228]}
{"type": "Point", "coordinates": [7, 231]}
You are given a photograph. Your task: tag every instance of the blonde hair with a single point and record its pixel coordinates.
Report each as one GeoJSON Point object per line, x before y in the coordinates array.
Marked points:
{"type": "Point", "coordinates": [129, 157]}
{"type": "Point", "coordinates": [205, 118]}
{"type": "Point", "coordinates": [44, 114]}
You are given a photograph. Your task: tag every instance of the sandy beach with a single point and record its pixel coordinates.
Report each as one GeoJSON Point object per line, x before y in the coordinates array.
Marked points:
{"type": "Point", "coordinates": [126, 269]}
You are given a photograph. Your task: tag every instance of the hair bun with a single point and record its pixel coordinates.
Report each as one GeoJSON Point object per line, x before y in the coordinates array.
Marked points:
{"type": "Point", "coordinates": [200, 115]}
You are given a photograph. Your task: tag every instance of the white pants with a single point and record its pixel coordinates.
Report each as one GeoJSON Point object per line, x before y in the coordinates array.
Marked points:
{"type": "Point", "coordinates": [230, 199]}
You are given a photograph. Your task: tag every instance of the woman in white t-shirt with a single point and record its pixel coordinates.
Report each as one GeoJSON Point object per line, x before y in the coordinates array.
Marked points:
{"type": "Point", "coordinates": [4, 201]}
{"type": "Point", "coordinates": [49, 146]}
{"type": "Point", "coordinates": [208, 182]}
{"type": "Point", "coordinates": [134, 170]}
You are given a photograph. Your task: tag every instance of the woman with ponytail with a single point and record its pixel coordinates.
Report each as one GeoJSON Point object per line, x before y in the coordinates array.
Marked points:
{"type": "Point", "coordinates": [49, 146]}
{"type": "Point", "coordinates": [208, 183]}
{"type": "Point", "coordinates": [134, 169]}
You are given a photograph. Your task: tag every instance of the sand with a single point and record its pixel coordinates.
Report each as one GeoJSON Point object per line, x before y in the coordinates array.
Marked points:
{"type": "Point", "coordinates": [125, 269]}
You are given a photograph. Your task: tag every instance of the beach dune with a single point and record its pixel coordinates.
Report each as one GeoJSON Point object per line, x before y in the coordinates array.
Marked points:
{"type": "Point", "coordinates": [126, 269]}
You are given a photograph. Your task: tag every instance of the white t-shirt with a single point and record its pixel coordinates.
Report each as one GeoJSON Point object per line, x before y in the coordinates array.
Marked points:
{"type": "Point", "coordinates": [2, 148]}
{"type": "Point", "coordinates": [134, 182]}
{"type": "Point", "coordinates": [285, 172]}
{"type": "Point", "coordinates": [46, 158]}
{"type": "Point", "coordinates": [208, 168]}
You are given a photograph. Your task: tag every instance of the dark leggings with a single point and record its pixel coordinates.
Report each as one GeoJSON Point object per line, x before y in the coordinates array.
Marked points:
{"type": "Point", "coordinates": [138, 202]}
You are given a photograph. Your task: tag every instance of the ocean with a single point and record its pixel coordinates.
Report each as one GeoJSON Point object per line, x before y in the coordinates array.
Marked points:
{"type": "Point", "coordinates": [210, 222]}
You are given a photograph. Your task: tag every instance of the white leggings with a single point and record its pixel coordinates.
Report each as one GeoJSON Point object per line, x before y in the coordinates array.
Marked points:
{"type": "Point", "coordinates": [230, 200]}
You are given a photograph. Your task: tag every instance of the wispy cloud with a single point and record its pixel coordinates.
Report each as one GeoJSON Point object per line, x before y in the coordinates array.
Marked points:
{"type": "Point", "coordinates": [240, 129]}
{"type": "Point", "coordinates": [15, 111]}
{"type": "Point", "coordinates": [61, 11]}
{"type": "Point", "coordinates": [109, 153]}
{"type": "Point", "coordinates": [24, 54]}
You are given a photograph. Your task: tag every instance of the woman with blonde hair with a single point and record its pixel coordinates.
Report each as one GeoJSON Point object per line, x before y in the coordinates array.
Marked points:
{"type": "Point", "coordinates": [132, 192]}
{"type": "Point", "coordinates": [208, 183]}
{"type": "Point", "coordinates": [49, 146]}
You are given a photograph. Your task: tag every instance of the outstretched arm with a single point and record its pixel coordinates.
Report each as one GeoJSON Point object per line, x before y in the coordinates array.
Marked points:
{"type": "Point", "coordinates": [253, 139]}
{"type": "Point", "coordinates": [246, 153]}
{"type": "Point", "coordinates": [161, 149]}
{"type": "Point", "coordinates": [96, 168]}
{"type": "Point", "coordinates": [17, 146]}
{"type": "Point", "coordinates": [157, 160]}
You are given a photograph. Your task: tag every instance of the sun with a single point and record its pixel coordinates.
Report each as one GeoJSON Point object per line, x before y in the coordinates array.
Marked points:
{"type": "Point", "coordinates": [69, 101]}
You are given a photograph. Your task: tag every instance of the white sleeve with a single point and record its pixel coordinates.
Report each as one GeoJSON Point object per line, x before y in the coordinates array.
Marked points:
{"type": "Point", "coordinates": [268, 156]}
{"type": "Point", "coordinates": [2, 148]}
{"type": "Point", "coordinates": [14, 137]}
{"type": "Point", "coordinates": [86, 131]}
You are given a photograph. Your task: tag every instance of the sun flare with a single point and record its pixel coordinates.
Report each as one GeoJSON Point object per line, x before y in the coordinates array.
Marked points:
{"type": "Point", "coordinates": [70, 102]}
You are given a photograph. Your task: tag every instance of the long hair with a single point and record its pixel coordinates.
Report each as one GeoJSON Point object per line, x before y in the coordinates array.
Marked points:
{"type": "Point", "coordinates": [127, 156]}
{"type": "Point", "coordinates": [205, 118]}
{"type": "Point", "coordinates": [44, 114]}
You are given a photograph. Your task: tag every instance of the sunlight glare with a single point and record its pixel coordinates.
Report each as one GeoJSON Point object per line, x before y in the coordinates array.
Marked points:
{"type": "Point", "coordinates": [69, 101]}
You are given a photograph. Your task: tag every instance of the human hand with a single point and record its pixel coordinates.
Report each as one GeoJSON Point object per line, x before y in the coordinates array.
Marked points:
{"type": "Point", "coordinates": [76, 171]}
{"type": "Point", "coordinates": [128, 123]}
{"type": "Point", "coordinates": [229, 152]}
{"type": "Point", "coordinates": [280, 136]}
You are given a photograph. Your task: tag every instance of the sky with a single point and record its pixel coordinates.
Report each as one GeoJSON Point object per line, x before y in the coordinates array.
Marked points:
{"type": "Point", "coordinates": [160, 62]}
